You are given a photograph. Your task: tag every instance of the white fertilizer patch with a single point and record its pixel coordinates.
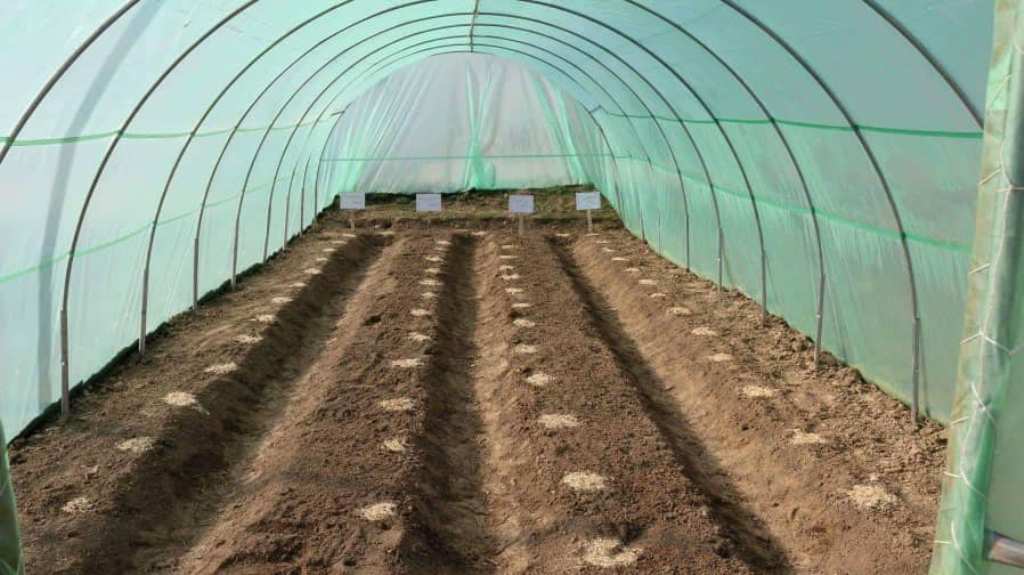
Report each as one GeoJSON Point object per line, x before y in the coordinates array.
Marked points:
{"type": "Point", "coordinates": [429, 282]}
{"type": "Point", "coordinates": [620, 259]}
{"type": "Point", "coordinates": [443, 242]}
{"type": "Point", "coordinates": [339, 242]}
{"type": "Point", "coordinates": [264, 318]}
{"type": "Point", "coordinates": [608, 250]}
{"type": "Point", "coordinates": [137, 444]}
{"type": "Point", "coordinates": [395, 445]}
{"type": "Point", "coordinates": [801, 437]}
{"type": "Point", "coordinates": [539, 379]}
{"type": "Point", "coordinates": [508, 247]}
{"type": "Point", "coordinates": [647, 282]}
{"type": "Point", "coordinates": [632, 270]}
{"type": "Point", "coordinates": [321, 260]}
{"type": "Point", "coordinates": [418, 312]}
{"type": "Point", "coordinates": [608, 553]}
{"type": "Point", "coordinates": [78, 505]}
{"type": "Point", "coordinates": [478, 234]}
{"type": "Point", "coordinates": [184, 399]}
{"type": "Point", "coordinates": [720, 357]}
{"type": "Point", "coordinates": [419, 337]}
{"type": "Point", "coordinates": [329, 250]}
{"type": "Point", "coordinates": [704, 331]}
{"type": "Point", "coordinates": [658, 295]}
{"type": "Point", "coordinates": [387, 233]}
{"type": "Point", "coordinates": [407, 363]}
{"type": "Point", "coordinates": [757, 391]}
{"type": "Point", "coordinates": [513, 290]}
{"type": "Point", "coordinates": [521, 305]}
{"type": "Point", "coordinates": [523, 322]}
{"type": "Point", "coordinates": [506, 268]}
{"type": "Point", "coordinates": [585, 481]}
{"type": "Point", "coordinates": [428, 295]}
{"type": "Point", "coordinates": [508, 257]}
{"type": "Point", "coordinates": [563, 235]}
{"type": "Point", "coordinates": [679, 311]}
{"type": "Point", "coordinates": [510, 277]}
{"type": "Point", "coordinates": [603, 242]}
{"type": "Point", "coordinates": [299, 285]}
{"type": "Point", "coordinates": [311, 271]}
{"type": "Point", "coordinates": [222, 368]}
{"type": "Point", "coordinates": [873, 497]}
{"type": "Point", "coordinates": [398, 405]}
{"type": "Point", "coordinates": [280, 300]}
{"type": "Point", "coordinates": [524, 349]}
{"type": "Point", "coordinates": [559, 421]}
{"type": "Point", "coordinates": [433, 271]}
{"type": "Point", "coordinates": [378, 511]}
{"type": "Point", "coordinates": [434, 259]}
{"type": "Point", "coordinates": [349, 236]}
{"type": "Point", "coordinates": [248, 339]}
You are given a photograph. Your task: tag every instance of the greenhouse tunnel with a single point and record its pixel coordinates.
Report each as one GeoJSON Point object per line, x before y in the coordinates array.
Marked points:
{"type": "Point", "coordinates": [847, 164]}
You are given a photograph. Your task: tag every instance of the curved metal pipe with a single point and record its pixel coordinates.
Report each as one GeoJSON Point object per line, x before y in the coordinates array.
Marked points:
{"type": "Point", "coordinates": [820, 306]}
{"type": "Point", "coordinates": [58, 74]}
{"type": "Point", "coordinates": [707, 110]}
{"type": "Point", "coordinates": [65, 359]}
{"type": "Point", "coordinates": [975, 114]}
{"type": "Point", "coordinates": [876, 167]}
{"type": "Point", "coordinates": [184, 148]}
{"type": "Point", "coordinates": [569, 62]}
{"type": "Point", "coordinates": [238, 125]}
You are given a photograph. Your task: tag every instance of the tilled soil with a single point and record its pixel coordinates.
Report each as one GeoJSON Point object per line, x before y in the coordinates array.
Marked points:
{"type": "Point", "coordinates": [444, 401]}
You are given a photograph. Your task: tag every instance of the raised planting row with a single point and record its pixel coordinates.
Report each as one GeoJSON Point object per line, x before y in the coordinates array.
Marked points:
{"type": "Point", "coordinates": [144, 456]}
{"type": "Point", "coordinates": [841, 478]}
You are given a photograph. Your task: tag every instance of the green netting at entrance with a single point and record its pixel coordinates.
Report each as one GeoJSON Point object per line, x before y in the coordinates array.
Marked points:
{"type": "Point", "coordinates": [821, 156]}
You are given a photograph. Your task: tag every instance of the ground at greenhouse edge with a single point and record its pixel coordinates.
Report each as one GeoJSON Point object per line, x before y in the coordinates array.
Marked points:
{"type": "Point", "coordinates": [290, 463]}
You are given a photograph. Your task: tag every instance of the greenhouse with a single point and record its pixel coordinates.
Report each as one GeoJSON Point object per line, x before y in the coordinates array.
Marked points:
{"type": "Point", "coordinates": [511, 286]}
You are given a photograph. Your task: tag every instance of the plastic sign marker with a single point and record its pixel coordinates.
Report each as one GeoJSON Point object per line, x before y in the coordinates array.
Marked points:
{"type": "Point", "coordinates": [353, 201]}
{"type": "Point", "coordinates": [520, 204]}
{"type": "Point", "coordinates": [588, 201]}
{"type": "Point", "coordinates": [428, 202]}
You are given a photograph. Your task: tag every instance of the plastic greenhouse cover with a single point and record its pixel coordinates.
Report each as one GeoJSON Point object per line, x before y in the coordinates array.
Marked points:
{"type": "Point", "coordinates": [822, 157]}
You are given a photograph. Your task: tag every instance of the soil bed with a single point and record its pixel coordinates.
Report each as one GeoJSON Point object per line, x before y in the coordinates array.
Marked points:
{"type": "Point", "coordinates": [437, 400]}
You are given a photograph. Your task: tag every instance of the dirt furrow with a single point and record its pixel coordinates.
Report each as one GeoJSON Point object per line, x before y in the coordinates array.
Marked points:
{"type": "Point", "coordinates": [373, 467]}
{"type": "Point", "coordinates": [579, 478]}
{"type": "Point", "coordinates": [167, 429]}
{"type": "Point", "coordinates": [832, 465]}
{"type": "Point", "coordinates": [752, 540]}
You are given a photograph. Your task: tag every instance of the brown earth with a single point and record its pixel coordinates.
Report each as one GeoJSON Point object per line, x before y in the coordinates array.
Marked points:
{"type": "Point", "coordinates": [537, 412]}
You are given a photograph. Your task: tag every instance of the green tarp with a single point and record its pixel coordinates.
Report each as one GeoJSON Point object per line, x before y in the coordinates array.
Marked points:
{"type": "Point", "coordinates": [821, 156]}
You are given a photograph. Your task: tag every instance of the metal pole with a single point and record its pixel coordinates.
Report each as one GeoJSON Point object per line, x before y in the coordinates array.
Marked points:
{"type": "Point", "coordinates": [65, 351]}
{"type": "Point", "coordinates": [875, 166]}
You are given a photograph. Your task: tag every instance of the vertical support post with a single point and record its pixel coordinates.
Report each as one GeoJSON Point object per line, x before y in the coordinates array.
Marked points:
{"type": "Point", "coordinates": [819, 316]}
{"type": "Point", "coordinates": [65, 372]}
{"type": "Point", "coordinates": [521, 225]}
{"type": "Point", "coordinates": [590, 222]}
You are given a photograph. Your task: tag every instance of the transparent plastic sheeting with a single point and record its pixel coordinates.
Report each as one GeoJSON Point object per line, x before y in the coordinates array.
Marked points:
{"type": "Point", "coordinates": [773, 146]}
{"type": "Point", "coordinates": [983, 482]}
{"type": "Point", "coordinates": [446, 125]}
{"type": "Point", "coordinates": [10, 551]}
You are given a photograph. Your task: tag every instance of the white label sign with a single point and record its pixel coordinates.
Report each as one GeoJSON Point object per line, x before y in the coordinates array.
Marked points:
{"type": "Point", "coordinates": [520, 204]}
{"type": "Point", "coordinates": [588, 201]}
{"type": "Point", "coordinates": [428, 202]}
{"type": "Point", "coordinates": [353, 201]}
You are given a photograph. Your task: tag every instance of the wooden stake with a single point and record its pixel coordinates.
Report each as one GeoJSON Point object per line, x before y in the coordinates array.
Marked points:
{"type": "Point", "coordinates": [590, 222]}
{"type": "Point", "coordinates": [520, 224]}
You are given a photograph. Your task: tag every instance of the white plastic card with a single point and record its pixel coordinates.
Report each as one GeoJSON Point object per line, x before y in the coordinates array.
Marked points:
{"type": "Point", "coordinates": [428, 202]}
{"type": "Point", "coordinates": [353, 201]}
{"type": "Point", "coordinates": [520, 204]}
{"type": "Point", "coordinates": [588, 201]}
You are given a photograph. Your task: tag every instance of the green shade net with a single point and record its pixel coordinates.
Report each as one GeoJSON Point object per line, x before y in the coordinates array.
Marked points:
{"type": "Point", "coordinates": [821, 157]}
